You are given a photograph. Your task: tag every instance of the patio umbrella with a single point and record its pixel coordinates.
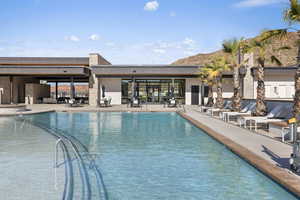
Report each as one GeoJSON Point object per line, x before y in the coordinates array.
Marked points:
{"type": "Point", "coordinates": [136, 91]}
{"type": "Point", "coordinates": [103, 91]}
{"type": "Point", "coordinates": [133, 88]}
{"type": "Point", "coordinates": [72, 91]}
{"type": "Point", "coordinates": [172, 91]}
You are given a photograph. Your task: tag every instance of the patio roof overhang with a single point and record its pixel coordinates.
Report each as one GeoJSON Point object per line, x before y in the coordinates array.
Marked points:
{"type": "Point", "coordinates": [37, 61]}
{"type": "Point", "coordinates": [151, 71]}
{"type": "Point", "coordinates": [44, 71]}
{"type": "Point", "coordinates": [289, 70]}
{"type": "Point", "coordinates": [144, 70]}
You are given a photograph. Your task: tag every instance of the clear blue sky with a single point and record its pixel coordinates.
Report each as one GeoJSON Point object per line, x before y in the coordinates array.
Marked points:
{"type": "Point", "coordinates": [131, 31]}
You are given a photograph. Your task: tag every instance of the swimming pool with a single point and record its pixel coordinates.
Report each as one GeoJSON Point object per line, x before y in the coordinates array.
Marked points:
{"type": "Point", "coordinates": [160, 156]}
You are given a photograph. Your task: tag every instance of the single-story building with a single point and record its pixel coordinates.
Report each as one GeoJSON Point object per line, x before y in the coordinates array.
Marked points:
{"type": "Point", "coordinates": [28, 80]}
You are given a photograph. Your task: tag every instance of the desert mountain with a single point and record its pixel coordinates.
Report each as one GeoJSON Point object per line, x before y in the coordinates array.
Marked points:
{"type": "Point", "coordinates": [287, 57]}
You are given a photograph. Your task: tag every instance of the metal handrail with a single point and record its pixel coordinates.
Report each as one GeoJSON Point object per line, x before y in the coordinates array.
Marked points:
{"type": "Point", "coordinates": [69, 180]}
{"type": "Point", "coordinates": [62, 140]}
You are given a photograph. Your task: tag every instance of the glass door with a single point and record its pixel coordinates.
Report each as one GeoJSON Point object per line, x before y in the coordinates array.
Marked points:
{"type": "Point", "coordinates": [153, 94]}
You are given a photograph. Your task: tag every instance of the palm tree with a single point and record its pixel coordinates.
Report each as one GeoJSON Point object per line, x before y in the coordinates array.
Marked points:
{"type": "Point", "coordinates": [292, 16]}
{"type": "Point", "coordinates": [204, 77]}
{"type": "Point", "coordinates": [259, 46]}
{"type": "Point", "coordinates": [233, 48]}
{"type": "Point", "coordinates": [214, 71]}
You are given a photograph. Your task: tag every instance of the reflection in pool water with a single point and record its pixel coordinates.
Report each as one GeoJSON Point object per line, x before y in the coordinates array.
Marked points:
{"type": "Point", "coordinates": [162, 156]}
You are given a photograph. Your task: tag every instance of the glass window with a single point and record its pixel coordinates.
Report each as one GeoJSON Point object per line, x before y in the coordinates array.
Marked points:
{"type": "Point", "coordinates": [154, 90]}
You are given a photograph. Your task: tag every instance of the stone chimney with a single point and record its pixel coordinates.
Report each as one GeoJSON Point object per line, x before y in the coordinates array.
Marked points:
{"type": "Point", "coordinates": [94, 93]}
{"type": "Point", "coordinates": [94, 59]}
{"type": "Point", "coordinates": [248, 81]}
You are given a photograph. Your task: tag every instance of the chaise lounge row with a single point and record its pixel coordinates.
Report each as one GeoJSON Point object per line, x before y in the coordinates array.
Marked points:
{"type": "Point", "coordinates": [278, 113]}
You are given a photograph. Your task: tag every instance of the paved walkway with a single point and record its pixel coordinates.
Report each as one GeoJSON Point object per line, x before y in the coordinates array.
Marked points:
{"type": "Point", "coordinates": [274, 151]}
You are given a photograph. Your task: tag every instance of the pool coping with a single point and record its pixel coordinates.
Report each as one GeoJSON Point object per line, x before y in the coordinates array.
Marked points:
{"type": "Point", "coordinates": [25, 113]}
{"type": "Point", "coordinates": [279, 175]}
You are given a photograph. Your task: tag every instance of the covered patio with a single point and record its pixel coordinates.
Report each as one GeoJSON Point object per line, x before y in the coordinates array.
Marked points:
{"type": "Point", "coordinates": [31, 84]}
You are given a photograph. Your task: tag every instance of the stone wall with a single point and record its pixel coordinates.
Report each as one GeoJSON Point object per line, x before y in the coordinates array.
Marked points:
{"type": "Point", "coordinates": [33, 92]}
{"type": "Point", "coordinates": [5, 86]}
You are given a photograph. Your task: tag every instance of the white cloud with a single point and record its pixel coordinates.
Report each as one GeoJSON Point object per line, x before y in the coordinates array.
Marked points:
{"type": "Point", "coordinates": [160, 51]}
{"type": "Point", "coordinates": [256, 3]}
{"type": "Point", "coordinates": [173, 14]}
{"type": "Point", "coordinates": [72, 38]}
{"type": "Point", "coordinates": [151, 6]}
{"type": "Point", "coordinates": [189, 42]}
{"type": "Point", "coordinates": [94, 37]}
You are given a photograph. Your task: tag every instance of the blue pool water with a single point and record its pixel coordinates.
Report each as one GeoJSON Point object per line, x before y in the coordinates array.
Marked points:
{"type": "Point", "coordinates": [149, 156]}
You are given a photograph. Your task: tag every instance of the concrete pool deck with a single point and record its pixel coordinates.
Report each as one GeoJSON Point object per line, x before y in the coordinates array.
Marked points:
{"type": "Point", "coordinates": [266, 154]}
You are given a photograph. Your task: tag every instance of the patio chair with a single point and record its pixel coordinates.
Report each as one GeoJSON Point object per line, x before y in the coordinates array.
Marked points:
{"type": "Point", "coordinates": [105, 102]}
{"type": "Point", "coordinates": [102, 102]}
{"type": "Point", "coordinates": [271, 115]}
{"type": "Point", "coordinates": [135, 102]}
{"type": "Point", "coordinates": [245, 111]}
{"type": "Point", "coordinates": [73, 103]}
{"type": "Point", "coordinates": [172, 103]}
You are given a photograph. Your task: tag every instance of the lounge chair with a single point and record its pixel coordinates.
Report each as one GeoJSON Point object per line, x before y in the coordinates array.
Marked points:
{"type": "Point", "coordinates": [276, 111]}
{"type": "Point", "coordinates": [205, 108]}
{"type": "Point", "coordinates": [282, 116]}
{"type": "Point", "coordinates": [226, 107]}
{"type": "Point", "coordinates": [245, 111]}
{"type": "Point", "coordinates": [288, 132]}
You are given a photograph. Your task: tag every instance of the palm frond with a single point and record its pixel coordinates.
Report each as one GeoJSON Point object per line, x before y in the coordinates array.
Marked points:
{"type": "Point", "coordinates": [232, 46]}
{"type": "Point", "coordinates": [275, 60]}
{"type": "Point", "coordinates": [270, 34]}
{"type": "Point", "coordinates": [292, 14]}
{"type": "Point", "coordinates": [283, 48]}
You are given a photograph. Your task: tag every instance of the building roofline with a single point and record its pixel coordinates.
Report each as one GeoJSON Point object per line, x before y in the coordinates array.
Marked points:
{"type": "Point", "coordinates": [42, 66]}
{"type": "Point", "coordinates": [291, 67]}
{"type": "Point", "coordinates": [44, 61]}
{"type": "Point", "coordinates": [146, 66]}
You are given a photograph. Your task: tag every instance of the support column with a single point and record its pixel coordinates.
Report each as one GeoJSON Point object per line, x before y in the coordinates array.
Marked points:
{"type": "Point", "coordinates": [56, 90]}
{"type": "Point", "coordinates": [248, 81]}
{"type": "Point", "coordinates": [94, 86]}
{"type": "Point", "coordinates": [11, 80]}
{"type": "Point", "coordinates": [72, 88]}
